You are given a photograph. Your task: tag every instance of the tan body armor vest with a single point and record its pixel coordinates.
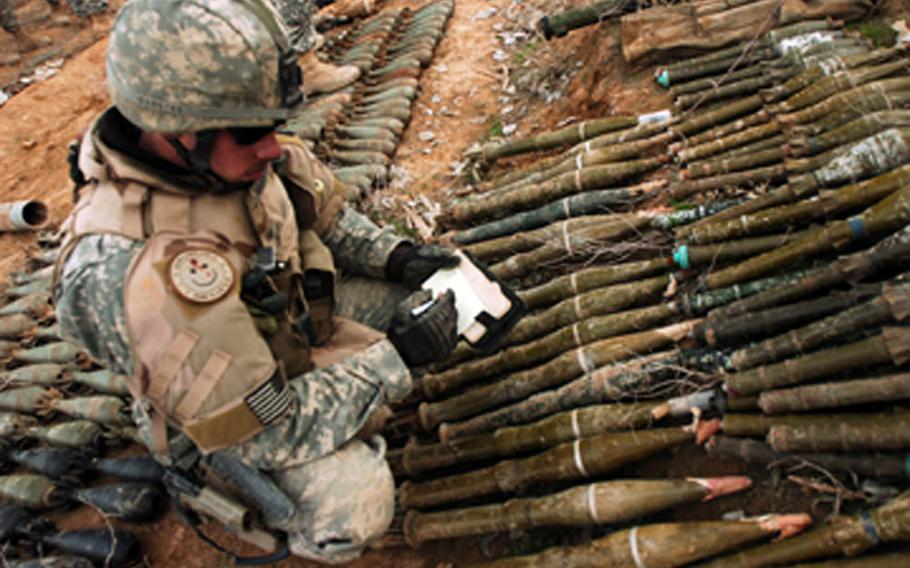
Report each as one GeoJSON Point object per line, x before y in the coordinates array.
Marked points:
{"type": "Point", "coordinates": [200, 359]}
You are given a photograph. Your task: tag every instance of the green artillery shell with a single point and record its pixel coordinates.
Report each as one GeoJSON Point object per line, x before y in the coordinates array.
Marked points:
{"type": "Point", "coordinates": [46, 374]}
{"type": "Point", "coordinates": [550, 431]}
{"type": "Point", "coordinates": [620, 381]}
{"type": "Point", "coordinates": [725, 113]}
{"type": "Point", "coordinates": [31, 491]}
{"type": "Point", "coordinates": [80, 434]}
{"type": "Point", "coordinates": [827, 205]}
{"type": "Point", "coordinates": [19, 278]}
{"type": "Point", "coordinates": [393, 93]}
{"type": "Point", "coordinates": [734, 140]}
{"type": "Point", "coordinates": [525, 355]}
{"type": "Point", "coordinates": [594, 177]}
{"type": "Point", "coordinates": [103, 381]}
{"type": "Point", "coordinates": [765, 174]}
{"type": "Point", "coordinates": [581, 243]}
{"type": "Point", "coordinates": [12, 424]}
{"type": "Point", "coordinates": [758, 425]}
{"type": "Point", "coordinates": [708, 83]}
{"type": "Point", "coordinates": [830, 65]}
{"type": "Point", "coordinates": [598, 503]}
{"type": "Point", "coordinates": [365, 132]}
{"type": "Point", "coordinates": [667, 545]}
{"type": "Point", "coordinates": [569, 135]}
{"type": "Point", "coordinates": [839, 82]}
{"type": "Point", "coordinates": [378, 174]}
{"type": "Point", "coordinates": [32, 399]}
{"type": "Point", "coordinates": [7, 348]}
{"type": "Point", "coordinates": [561, 23]}
{"type": "Point", "coordinates": [528, 240]}
{"type": "Point", "coordinates": [517, 440]}
{"type": "Point", "coordinates": [855, 267]}
{"type": "Point", "coordinates": [757, 118]}
{"type": "Point", "coordinates": [721, 165]}
{"type": "Point", "coordinates": [391, 124]}
{"type": "Point", "coordinates": [599, 301]}
{"type": "Point", "coordinates": [859, 98]}
{"type": "Point", "coordinates": [870, 156]}
{"type": "Point", "coordinates": [37, 305]}
{"type": "Point", "coordinates": [103, 409]}
{"type": "Point", "coordinates": [572, 460]}
{"type": "Point", "coordinates": [384, 146]}
{"type": "Point", "coordinates": [37, 285]}
{"type": "Point", "coordinates": [15, 326]}
{"type": "Point", "coordinates": [832, 395]}
{"type": "Point", "coordinates": [891, 306]}
{"type": "Point", "coordinates": [730, 89]}
{"type": "Point", "coordinates": [676, 74]}
{"type": "Point", "coordinates": [775, 320]}
{"type": "Point", "coordinates": [361, 157]}
{"type": "Point", "coordinates": [56, 463]}
{"type": "Point", "coordinates": [559, 370]}
{"type": "Point", "coordinates": [687, 256]}
{"type": "Point", "coordinates": [128, 501]}
{"type": "Point", "coordinates": [843, 536]}
{"type": "Point", "coordinates": [890, 214]}
{"type": "Point", "coordinates": [49, 333]}
{"type": "Point", "coordinates": [891, 345]}
{"type": "Point", "coordinates": [852, 131]}
{"type": "Point", "coordinates": [882, 432]}
{"type": "Point", "coordinates": [572, 206]}
{"type": "Point", "coordinates": [61, 352]}
{"type": "Point", "coordinates": [877, 466]}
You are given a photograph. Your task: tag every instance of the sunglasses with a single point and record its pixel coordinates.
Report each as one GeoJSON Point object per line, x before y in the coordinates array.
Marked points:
{"type": "Point", "coordinates": [249, 135]}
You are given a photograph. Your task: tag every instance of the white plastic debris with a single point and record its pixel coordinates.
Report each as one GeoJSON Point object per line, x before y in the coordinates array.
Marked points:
{"type": "Point", "coordinates": [426, 136]}
{"type": "Point", "coordinates": [3, 97]}
{"type": "Point", "coordinates": [484, 14]}
{"type": "Point", "coordinates": [509, 129]}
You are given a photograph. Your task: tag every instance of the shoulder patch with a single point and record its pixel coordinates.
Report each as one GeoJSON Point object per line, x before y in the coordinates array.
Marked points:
{"type": "Point", "coordinates": [201, 276]}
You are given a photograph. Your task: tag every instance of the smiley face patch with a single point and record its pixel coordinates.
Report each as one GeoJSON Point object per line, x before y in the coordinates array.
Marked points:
{"type": "Point", "coordinates": [200, 276]}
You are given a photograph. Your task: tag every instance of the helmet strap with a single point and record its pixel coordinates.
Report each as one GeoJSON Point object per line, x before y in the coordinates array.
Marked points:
{"type": "Point", "coordinates": [199, 158]}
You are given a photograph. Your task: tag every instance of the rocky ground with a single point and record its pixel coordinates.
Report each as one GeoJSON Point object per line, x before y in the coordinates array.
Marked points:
{"type": "Point", "coordinates": [493, 76]}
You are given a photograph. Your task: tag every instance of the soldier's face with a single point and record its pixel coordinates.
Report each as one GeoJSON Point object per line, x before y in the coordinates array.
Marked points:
{"type": "Point", "coordinates": [236, 162]}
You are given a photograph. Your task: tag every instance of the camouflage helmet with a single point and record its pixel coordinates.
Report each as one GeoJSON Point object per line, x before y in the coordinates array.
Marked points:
{"type": "Point", "coordinates": [189, 65]}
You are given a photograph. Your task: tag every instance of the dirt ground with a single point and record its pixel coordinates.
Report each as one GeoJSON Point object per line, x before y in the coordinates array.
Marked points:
{"type": "Point", "coordinates": [491, 75]}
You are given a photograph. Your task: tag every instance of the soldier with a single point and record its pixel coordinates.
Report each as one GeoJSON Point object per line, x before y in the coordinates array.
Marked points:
{"type": "Point", "coordinates": [320, 77]}
{"type": "Point", "coordinates": [217, 264]}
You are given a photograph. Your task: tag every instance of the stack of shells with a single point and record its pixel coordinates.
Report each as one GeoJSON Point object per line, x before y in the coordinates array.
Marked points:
{"type": "Point", "coordinates": [58, 413]}
{"type": "Point", "coordinates": [787, 266]}
{"type": "Point", "coordinates": [357, 130]}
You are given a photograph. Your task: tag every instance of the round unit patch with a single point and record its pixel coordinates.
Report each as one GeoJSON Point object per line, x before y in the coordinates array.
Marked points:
{"type": "Point", "coordinates": [201, 276]}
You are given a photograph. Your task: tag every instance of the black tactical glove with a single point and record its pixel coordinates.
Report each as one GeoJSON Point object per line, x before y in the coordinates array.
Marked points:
{"type": "Point", "coordinates": [412, 264]}
{"type": "Point", "coordinates": [429, 336]}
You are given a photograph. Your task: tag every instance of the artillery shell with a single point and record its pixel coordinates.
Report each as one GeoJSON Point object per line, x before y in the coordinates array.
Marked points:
{"type": "Point", "coordinates": [140, 469]}
{"type": "Point", "coordinates": [104, 409]}
{"type": "Point", "coordinates": [37, 305]}
{"type": "Point", "coordinates": [37, 285]}
{"type": "Point", "coordinates": [31, 491]}
{"type": "Point", "coordinates": [80, 434]}
{"type": "Point", "coordinates": [127, 501]}
{"type": "Point", "coordinates": [113, 548]}
{"type": "Point", "coordinates": [12, 424]}
{"type": "Point", "coordinates": [46, 374]}
{"type": "Point", "coordinates": [61, 352]}
{"type": "Point", "coordinates": [30, 399]}
{"type": "Point", "coordinates": [15, 326]}
{"type": "Point", "coordinates": [49, 333]}
{"type": "Point", "coordinates": [104, 381]}
{"type": "Point", "coordinates": [56, 463]}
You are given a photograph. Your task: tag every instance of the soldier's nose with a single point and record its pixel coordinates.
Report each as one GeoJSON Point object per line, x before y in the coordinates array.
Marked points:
{"type": "Point", "coordinates": [268, 148]}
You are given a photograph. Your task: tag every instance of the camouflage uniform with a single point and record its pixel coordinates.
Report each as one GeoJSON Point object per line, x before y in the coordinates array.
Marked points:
{"type": "Point", "coordinates": [343, 487]}
{"type": "Point", "coordinates": [85, 8]}
{"type": "Point", "coordinates": [298, 18]}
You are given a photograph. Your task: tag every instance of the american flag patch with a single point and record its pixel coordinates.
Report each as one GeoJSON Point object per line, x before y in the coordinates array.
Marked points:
{"type": "Point", "coordinates": [270, 401]}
